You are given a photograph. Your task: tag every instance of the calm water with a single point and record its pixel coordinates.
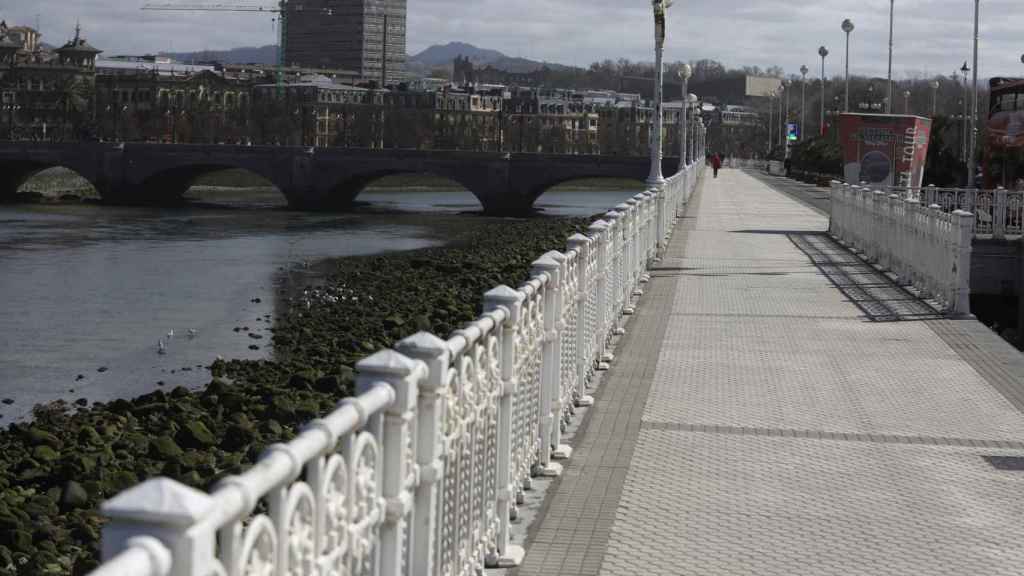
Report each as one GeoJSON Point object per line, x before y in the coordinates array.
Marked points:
{"type": "Point", "coordinates": [88, 291]}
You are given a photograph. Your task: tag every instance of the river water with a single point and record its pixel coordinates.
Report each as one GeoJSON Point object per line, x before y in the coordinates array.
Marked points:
{"type": "Point", "coordinates": [88, 291]}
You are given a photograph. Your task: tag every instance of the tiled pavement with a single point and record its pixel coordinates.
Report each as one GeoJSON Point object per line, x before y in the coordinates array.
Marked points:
{"type": "Point", "coordinates": [778, 407]}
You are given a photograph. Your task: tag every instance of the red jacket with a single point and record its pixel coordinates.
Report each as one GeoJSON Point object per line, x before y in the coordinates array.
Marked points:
{"type": "Point", "coordinates": [716, 162]}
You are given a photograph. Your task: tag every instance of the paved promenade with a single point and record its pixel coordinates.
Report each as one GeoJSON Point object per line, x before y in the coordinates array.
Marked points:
{"type": "Point", "coordinates": [778, 407]}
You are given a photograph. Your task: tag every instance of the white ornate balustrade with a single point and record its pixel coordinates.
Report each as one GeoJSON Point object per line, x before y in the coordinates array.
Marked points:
{"type": "Point", "coordinates": [422, 472]}
{"type": "Point", "coordinates": [922, 244]}
{"type": "Point", "coordinates": [998, 213]}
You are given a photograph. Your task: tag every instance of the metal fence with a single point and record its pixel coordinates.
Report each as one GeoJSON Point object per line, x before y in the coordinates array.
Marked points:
{"type": "Point", "coordinates": [924, 245]}
{"type": "Point", "coordinates": [422, 471]}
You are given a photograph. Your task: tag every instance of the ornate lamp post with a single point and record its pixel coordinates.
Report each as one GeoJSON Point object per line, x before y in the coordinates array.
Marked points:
{"type": "Point", "coordinates": [935, 96]}
{"type": "Point", "coordinates": [823, 52]}
{"type": "Point", "coordinates": [803, 99]}
{"type": "Point", "coordinates": [656, 179]}
{"type": "Point", "coordinates": [684, 76]}
{"type": "Point", "coordinates": [906, 102]}
{"type": "Point", "coordinates": [847, 27]}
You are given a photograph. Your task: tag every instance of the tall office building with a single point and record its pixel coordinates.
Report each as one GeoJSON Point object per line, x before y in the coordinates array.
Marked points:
{"type": "Point", "coordinates": [348, 35]}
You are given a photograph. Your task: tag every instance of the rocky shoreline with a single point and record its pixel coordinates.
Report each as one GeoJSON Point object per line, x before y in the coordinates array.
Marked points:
{"type": "Point", "coordinates": [57, 469]}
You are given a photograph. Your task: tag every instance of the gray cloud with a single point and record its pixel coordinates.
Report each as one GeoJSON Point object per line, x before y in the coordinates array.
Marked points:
{"type": "Point", "coordinates": [932, 36]}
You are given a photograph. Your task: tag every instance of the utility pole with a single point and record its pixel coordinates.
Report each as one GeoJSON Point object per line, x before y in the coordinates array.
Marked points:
{"type": "Point", "coordinates": [892, 12]}
{"type": "Point", "coordinates": [972, 159]}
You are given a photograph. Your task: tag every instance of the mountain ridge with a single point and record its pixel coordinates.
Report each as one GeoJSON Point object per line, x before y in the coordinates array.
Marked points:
{"type": "Point", "coordinates": [421, 63]}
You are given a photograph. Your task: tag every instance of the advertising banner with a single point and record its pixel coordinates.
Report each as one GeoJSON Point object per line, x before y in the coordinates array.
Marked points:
{"type": "Point", "coordinates": [884, 149]}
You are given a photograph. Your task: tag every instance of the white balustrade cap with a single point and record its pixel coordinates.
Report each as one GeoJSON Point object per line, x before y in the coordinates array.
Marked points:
{"type": "Point", "coordinates": [423, 343]}
{"type": "Point", "coordinates": [160, 501]}
{"type": "Point", "coordinates": [554, 255]}
{"type": "Point", "coordinates": [545, 262]}
{"type": "Point", "coordinates": [578, 238]}
{"type": "Point", "coordinates": [598, 225]}
{"type": "Point", "coordinates": [387, 362]}
{"type": "Point", "coordinates": [505, 294]}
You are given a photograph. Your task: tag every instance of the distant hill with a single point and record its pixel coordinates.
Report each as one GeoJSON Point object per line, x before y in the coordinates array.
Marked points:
{"type": "Point", "coordinates": [439, 56]}
{"type": "Point", "coordinates": [248, 55]}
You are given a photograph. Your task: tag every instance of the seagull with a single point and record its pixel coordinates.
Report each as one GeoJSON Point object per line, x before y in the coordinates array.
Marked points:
{"type": "Point", "coordinates": [192, 333]}
{"type": "Point", "coordinates": [161, 348]}
{"type": "Point", "coordinates": [170, 335]}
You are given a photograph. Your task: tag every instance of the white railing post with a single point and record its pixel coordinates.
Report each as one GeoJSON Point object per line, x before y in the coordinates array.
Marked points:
{"type": "Point", "coordinates": [599, 234]}
{"type": "Point", "coordinates": [963, 228]}
{"type": "Point", "coordinates": [617, 229]}
{"type": "Point", "coordinates": [558, 398]}
{"type": "Point", "coordinates": [888, 243]}
{"type": "Point", "coordinates": [659, 209]}
{"type": "Point", "coordinates": [398, 445]}
{"type": "Point", "coordinates": [511, 301]}
{"type": "Point", "coordinates": [581, 244]}
{"type": "Point", "coordinates": [999, 205]}
{"type": "Point", "coordinates": [430, 413]}
{"type": "Point", "coordinates": [550, 363]}
{"type": "Point", "coordinates": [896, 236]}
{"type": "Point", "coordinates": [170, 512]}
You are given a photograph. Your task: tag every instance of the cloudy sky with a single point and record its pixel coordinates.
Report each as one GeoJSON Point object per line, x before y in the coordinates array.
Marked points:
{"type": "Point", "coordinates": [932, 36]}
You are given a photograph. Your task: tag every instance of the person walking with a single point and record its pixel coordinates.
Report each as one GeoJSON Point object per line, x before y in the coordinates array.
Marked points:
{"type": "Point", "coordinates": [716, 164]}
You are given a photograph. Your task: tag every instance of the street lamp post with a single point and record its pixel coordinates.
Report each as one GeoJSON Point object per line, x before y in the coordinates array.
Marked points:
{"type": "Point", "coordinates": [656, 179]}
{"type": "Point", "coordinates": [848, 28]}
{"type": "Point", "coordinates": [771, 123]}
{"type": "Point", "coordinates": [972, 159]}
{"type": "Point", "coordinates": [935, 96]}
{"type": "Point", "coordinates": [906, 102]}
{"type": "Point", "coordinates": [965, 124]}
{"type": "Point", "coordinates": [684, 76]}
{"type": "Point", "coordinates": [823, 52]}
{"type": "Point", "coordinates": [892, 10]}
{"type": "Point", "coordinates": [785, 119]}
{"type": "Point", "coordinates": [803, 99]}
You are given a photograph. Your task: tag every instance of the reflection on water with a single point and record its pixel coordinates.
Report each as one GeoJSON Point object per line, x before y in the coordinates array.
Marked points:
{"type": "Point", "coordinates": [88, 291]}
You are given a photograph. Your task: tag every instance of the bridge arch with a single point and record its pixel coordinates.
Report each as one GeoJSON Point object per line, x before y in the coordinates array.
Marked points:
{"type": "Point", "coordinates": [585, 196]}
{"type": "Point", "coordinates": [171, 185]}
{"type": "Point", "coordinates": [346, 191]}
{"type": "Point", "coordinates": [15, 175]}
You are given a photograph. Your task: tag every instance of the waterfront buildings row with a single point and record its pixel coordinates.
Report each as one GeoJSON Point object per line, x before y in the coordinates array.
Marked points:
{"type": "Point", "coordinates": [71, 94]}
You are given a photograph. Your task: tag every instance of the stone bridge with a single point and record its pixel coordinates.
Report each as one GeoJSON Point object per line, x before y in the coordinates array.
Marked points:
{"type": "Point", "coordinates": [310, 178]}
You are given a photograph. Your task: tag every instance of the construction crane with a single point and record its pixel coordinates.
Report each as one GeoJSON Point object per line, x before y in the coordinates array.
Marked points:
{"type": "Point", "coordinates": [283, 8]}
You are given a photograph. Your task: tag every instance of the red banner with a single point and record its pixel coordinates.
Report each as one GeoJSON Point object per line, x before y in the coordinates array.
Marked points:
{"type": "Point", "coordinates": [884, 149]}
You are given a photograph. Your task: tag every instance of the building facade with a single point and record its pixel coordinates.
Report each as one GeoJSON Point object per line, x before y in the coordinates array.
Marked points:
{"type": "Point", "coordinates": [46, 95]}
{"type": "Point", "coordinates": [367, 37]}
